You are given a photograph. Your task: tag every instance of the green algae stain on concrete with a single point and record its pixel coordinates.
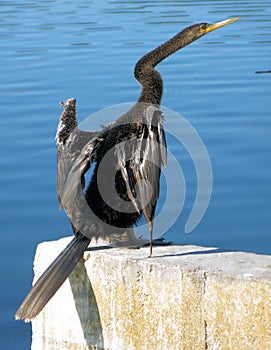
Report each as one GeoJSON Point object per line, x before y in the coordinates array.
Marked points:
{"type": "Point", "coordinates": [238, 314]}
{"type": "Point", "coordinates": [121, 300]}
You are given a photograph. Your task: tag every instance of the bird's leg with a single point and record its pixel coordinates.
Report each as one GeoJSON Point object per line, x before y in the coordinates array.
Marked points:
{"type": "Point", "coordinates": [132, 237]}
{"type": "Point", "coordinates": [134, 242]}
{"type": "Point", "coordinates": [128, 239]}
{"type": "Point", "coordinates": [150, 244]}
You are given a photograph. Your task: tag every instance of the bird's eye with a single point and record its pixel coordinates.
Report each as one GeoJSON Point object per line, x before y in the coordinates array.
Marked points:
{"type": "Point", "coordinates": [203, 28]}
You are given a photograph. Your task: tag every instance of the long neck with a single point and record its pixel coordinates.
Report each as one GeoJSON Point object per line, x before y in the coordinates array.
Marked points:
{"type": "Point", "coordinates": [150, 80]}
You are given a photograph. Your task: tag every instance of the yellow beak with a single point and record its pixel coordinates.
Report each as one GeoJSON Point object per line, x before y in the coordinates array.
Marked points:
{"type": "Point", "coordinates": [210, 27]}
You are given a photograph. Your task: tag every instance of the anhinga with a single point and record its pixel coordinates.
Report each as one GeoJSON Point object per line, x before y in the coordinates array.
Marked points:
{"type": "Point", "coordinates": [129, 178]}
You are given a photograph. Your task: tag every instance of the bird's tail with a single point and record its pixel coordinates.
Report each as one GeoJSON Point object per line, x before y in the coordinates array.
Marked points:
{"type": "Point", "coordinates": [51, 280]}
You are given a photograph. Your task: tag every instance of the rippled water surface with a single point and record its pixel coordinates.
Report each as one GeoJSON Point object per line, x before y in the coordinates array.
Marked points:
{"type": "Point", "coordinates": [52, 50]}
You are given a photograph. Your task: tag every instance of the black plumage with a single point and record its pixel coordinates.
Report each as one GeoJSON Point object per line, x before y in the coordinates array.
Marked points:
{"type": "Point", "coordinates": [127, 156]}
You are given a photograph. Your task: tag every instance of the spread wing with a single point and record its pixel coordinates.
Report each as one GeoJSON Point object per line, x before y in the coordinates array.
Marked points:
{"type": "Point", "coordinates": [140, 161]}
{"type": "Point", "coordinates": [74, 160]}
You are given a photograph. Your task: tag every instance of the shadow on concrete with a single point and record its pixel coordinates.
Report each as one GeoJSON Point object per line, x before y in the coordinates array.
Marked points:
{"type": "Point", "coordinates": [86, 306]}
{"type": "Point", "coordinates": [198, 252]}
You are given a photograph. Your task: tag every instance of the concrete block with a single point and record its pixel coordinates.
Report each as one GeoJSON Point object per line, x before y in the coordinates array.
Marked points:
{"type": "Point", "coordinates": [184, 297]}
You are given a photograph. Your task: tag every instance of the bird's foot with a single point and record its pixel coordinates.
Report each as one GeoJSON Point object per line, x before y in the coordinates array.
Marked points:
{"type": "Point", "coordinates": [158, 242]}
{"type": "Point", "coordinates": [140, 242]}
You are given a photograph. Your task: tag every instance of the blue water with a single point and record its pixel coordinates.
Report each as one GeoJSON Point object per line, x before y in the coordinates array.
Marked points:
{"type": "Point", "coordinates": [52, 50]}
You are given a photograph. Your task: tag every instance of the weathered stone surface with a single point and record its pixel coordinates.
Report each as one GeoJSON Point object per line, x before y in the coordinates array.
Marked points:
{"type": "Point", "coordinates": [184, 297]}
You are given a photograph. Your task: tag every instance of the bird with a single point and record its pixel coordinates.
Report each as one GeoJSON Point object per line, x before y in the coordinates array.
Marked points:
{"type": "Point", "coordinates": [126, 157]}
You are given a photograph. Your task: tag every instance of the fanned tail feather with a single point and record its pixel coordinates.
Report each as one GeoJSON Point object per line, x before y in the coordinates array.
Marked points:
{"type": "Point", "coordinates": [52, 279]}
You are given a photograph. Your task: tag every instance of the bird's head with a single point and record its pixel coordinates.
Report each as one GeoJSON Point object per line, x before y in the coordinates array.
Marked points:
{"type": "Point", "coordinates": [205, 28]}
{"type": "Point", "coordinates": [201, 29]}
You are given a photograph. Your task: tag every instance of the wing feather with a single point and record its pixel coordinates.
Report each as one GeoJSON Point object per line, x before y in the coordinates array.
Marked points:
{"type": "Point", "coordinates": [74, 160]}
{"type": "Point", "coordinates": [140, 161]}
